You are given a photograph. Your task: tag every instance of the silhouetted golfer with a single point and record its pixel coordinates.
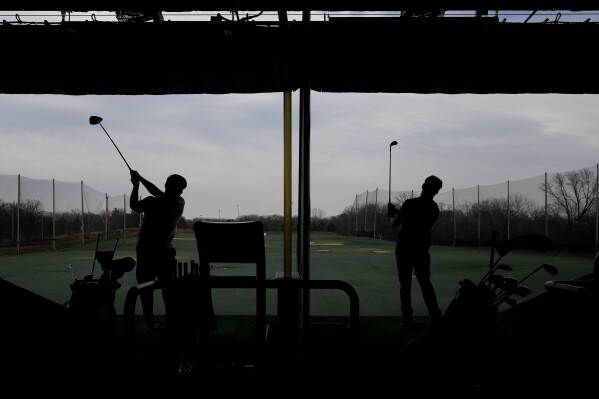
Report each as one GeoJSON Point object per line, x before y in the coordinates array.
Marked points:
{"type": "Point", "coordinates": [156, 253]}
{"type": "Point", "coordinates": [415, 219]}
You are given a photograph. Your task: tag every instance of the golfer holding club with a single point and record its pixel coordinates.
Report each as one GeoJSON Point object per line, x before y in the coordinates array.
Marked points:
{"type": "Point", "coordinates": [156, 254]}
{"type": "Point", "coordinates": [415, 218]}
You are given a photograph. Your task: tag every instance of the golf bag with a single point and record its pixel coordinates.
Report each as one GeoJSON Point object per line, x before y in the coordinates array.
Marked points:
{"type": "Point", "coordinates": [470, 315]}
{"type": "Point", "coordinates": [473, 331]}
{"type": "Point", "coordinates": [91, 308]}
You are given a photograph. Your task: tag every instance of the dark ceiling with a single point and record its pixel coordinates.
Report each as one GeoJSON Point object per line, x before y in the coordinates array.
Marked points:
{"type": "Point", "coordinates": [349, 54]}
{"type": "Point", "coordinates": [298, 5]}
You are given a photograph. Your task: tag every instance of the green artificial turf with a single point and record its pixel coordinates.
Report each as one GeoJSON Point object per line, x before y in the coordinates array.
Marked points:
{"type": "Point", "coordinates": [367, 264]}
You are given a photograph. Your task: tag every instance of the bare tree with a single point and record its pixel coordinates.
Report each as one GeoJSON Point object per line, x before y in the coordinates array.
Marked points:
{"type": "Point", "coordinates": [522, 216]}
{"type": "Point", "coordinates": [572, 194]}
{"type": "Point", "coordinates": [318, 213]}
{"type": "Point", "coordinates": [400, 198]}
{"type": "Point", "coordinates": [31, 213]}
{"type": "Point", "coordinates": [521, 207]}
{"type": "Point", "coordinates": [572, 197]}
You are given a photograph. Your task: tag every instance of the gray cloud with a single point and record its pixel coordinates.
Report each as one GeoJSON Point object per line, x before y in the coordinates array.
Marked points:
{"type": "Point", "coordinates": [230, 147]}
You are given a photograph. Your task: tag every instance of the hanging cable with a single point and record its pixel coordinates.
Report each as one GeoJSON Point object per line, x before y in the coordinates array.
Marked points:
{"type": "Point", "coordinates": [557, 17]}
{"type": "Point", "coordinates": [530, 16]}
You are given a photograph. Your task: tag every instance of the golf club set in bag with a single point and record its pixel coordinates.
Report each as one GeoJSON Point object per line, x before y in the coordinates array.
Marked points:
{"type": "Point", "coordinates": [473, 332]}
{"type": "Point", "coordinates": [473, 315]}
{"type": "Point", "coordinates": [91, 306]}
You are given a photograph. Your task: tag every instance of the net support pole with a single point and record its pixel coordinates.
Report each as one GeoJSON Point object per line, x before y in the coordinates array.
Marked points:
{"type": "Point", "coordinates": [82, 208]}
{"type": "Point", "coordinates": [53, 215]}
{"type": "Point", "coordinates": [106, 218]}
{"type": "Point", "coordinates": [18, 214]}
{"type": "Point", "coordinates": [597, 208]}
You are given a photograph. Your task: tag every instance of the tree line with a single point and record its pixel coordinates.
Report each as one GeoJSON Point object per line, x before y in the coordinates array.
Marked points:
{"type": "Point", "coordinates": [569, 219]}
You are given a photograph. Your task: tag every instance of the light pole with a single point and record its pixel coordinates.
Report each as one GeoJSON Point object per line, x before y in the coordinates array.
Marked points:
{"type": "Point", "coordinates": [390, 145]}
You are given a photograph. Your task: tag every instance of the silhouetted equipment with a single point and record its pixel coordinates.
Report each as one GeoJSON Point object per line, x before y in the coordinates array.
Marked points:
{"type": "Point", "coordinates": [236, 242]}
{"type": "Point", "coordinates": [96, 120]}
{"type": "Point", "coordinates": [91, 307]}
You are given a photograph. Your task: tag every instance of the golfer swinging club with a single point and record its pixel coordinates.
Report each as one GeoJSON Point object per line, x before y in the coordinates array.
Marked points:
{"type": "Point", "coordinates": [415, 219]}
{"type": "Point", "coordinates": [156, 254]}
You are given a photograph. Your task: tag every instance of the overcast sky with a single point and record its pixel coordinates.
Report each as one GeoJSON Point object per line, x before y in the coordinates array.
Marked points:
{"type": "Point", "coordinates": [230, 147]}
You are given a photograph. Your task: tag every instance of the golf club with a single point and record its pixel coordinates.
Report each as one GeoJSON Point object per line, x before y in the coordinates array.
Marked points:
{"type": "Point", "coordinates": [390, 145]}
{"type": "Point", "coordinates": [510, 290]}
{"type": "Point", "coordinates": [531, 242]}
{"type": "Point", "coordinates": [510, 301]}
{"type": "Point", "coordinates": [96, 120]}
{"type": "Point", "coordinates": [94, 264]}
{"type": "Point", "coordinates": [510, 281]}
{"type": "Point", "coordinates": [496, 279]}
{"type": "Point", "coordinates": [499, 266]}
{"type": "Point", "coordinates": [553, 270]}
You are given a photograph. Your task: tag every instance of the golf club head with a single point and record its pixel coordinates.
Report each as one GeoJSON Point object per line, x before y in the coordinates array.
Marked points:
{"type": "Point", "coordinates": [553, 270]}
{"type": "Point", "coordinates": [522, 291]}
{"type": "Point", "coordinates": [531, 242]}
{"type": "Point", "coordinates": [120, 266]}
{"type": "Point", "coordinates": [503, 267]}
{"type": "Point", "coordinates": [510, 281]}
{"type": "Point", "coordinates": [94, 120]}
{"type": "Point", "coordinates": [104, 257]}
{"type": "Point", "coordinates": [499, 266]}
{"type": "Point", "coordinates": [505, 288]}
{"type": "Point", "coordinates": [511, 301]}
{"type": "Point", "coordinates": [496, 279]}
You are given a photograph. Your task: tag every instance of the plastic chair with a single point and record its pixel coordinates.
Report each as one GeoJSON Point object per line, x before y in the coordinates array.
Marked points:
{"type": "Point", "coordinates": [236, 242]}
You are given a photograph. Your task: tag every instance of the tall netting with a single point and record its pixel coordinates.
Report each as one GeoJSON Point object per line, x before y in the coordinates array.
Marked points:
{"type": "Point", "coordinates": [561, 205]}
{"type": "Point", "coordinates": [44, 212]}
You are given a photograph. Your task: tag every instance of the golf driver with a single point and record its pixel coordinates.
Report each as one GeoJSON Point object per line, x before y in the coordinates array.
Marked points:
{"type": "Point", "coordinates": [390, 145]}
{"type": "Point", "coordinates": [96, 120]}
